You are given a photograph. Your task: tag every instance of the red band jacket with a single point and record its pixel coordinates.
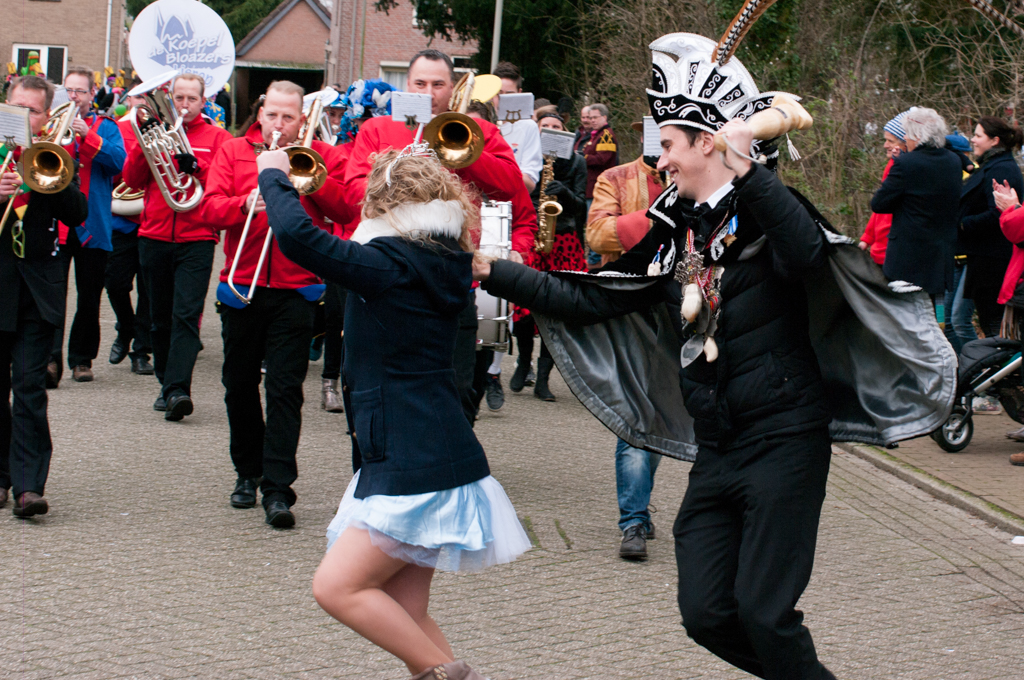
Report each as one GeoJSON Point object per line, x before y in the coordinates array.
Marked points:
{"type": "Point", "coordinates": [159, 221]}
{"type": "Point", "coordinates": [232, 178]}
{"type": "Point", "coordinates": [495, 174]}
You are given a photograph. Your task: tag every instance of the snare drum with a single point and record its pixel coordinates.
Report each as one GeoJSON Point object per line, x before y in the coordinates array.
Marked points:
{"type": "Point", "coordinates": [496, 241]}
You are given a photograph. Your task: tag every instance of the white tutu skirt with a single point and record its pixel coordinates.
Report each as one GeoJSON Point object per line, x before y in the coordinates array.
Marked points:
{"type": "Point", "coordinates": [467, 528]}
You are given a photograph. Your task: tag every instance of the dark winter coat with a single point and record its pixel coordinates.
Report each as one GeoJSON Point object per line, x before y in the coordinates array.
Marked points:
{"type": "Point", "coordinates": [569, 189]}
{"type": "Point", "coordinates": [766, 381]}
{"type": "Point", "coordinates": [922, 193]}
{"type": "Point", "coordinates": [409, 434]}
{"type": "Point", "coordinates": [988, 250]}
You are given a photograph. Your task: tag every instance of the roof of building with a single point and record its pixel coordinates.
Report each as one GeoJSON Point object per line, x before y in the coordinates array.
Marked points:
{"type": "Point", "coordinates": [271, 20]}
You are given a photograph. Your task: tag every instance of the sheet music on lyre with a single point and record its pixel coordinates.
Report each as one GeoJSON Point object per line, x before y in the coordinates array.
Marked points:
{"type": "Point", "coordinates": [513, 107]}
{"type": "Point", "coordinates": [15, 129]}
{"type": "Point", "coordinates": [411, 108]}
{"type": "Point", "coordinates": [60, 96]}
{"type": "Point", "coordinates": [556, 142]}
{"type": "Point", "coordinates": [652, 137]}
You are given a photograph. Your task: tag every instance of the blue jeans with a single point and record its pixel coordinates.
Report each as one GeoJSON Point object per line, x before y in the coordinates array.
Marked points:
{"type": "Point", "coordinates": [959, 313]}
{"type": "Point", "coordinates": [634, 479]}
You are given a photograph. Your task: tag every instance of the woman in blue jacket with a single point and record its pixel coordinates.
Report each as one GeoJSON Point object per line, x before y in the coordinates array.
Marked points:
{"type": "Point", "coordinates": [988, 251]}
{"type": "Point", "coordinates": [422, 497]}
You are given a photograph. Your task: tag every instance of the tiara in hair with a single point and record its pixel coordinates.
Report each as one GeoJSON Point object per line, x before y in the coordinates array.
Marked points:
{"type": "Point", "coordinates": [417, 149]}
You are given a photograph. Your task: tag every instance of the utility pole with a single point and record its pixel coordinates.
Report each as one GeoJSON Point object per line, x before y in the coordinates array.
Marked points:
{"type": "Point", "coordinates": [496, 46]}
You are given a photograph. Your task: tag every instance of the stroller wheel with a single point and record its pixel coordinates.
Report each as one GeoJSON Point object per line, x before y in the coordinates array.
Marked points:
{"type": "Point", "coordinates": [955, 434]}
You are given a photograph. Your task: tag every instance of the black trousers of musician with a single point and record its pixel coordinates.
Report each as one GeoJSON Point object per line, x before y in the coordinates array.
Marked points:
{"type": "Point", "coordinates": [745, 539]}
{"type": "Point", "coordinates": [524, 330]}
{"type": "Point", "coordinates": [25, 446]}
{"type": "Point", "coordinates": [176, 276]}
{"type": "Point", "coordinates": [133, 325]}
{"type": "Point", "coordinates": [276, 326]}
{"type": "Point", "coordinates": [465, 359]}
{"type": "Point", "coordinates": [334, 317]}
{"type": "Point", "coordinates": [90, 275]}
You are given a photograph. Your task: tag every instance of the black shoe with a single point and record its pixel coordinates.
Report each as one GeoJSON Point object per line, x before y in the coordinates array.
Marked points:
{"type": "Point", "coordinates": [118, 351]}
{"type": "Point", "coordinates": [142, 366]}
{"type": "Point", "coordinates": [279, 515]}
{"type": "Point", "coordinates": [540, 388]}
{"type": "Point", "coordinates": [3, 497]}
{"type": "Point", "coordinates": [650, 531]}
{"type": "Point", "coordinates": [518, 381]}
{"type": "Point", "coordinates": [160, 404]}
{"type": "Point", "coordinates": [493, 392]}
{"type": "Point", "coordinates": [634, 543]}
{"type": "Point", "coordinates": [244, 495]}
{"type": "Point", "coordinates": [178, 406]}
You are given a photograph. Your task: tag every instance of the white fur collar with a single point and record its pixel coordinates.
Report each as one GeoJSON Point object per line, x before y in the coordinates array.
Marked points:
{"type": "Point", "coordinates": [437, 218]}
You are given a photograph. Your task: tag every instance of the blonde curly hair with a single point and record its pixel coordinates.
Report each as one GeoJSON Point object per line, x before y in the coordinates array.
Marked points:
{"type": "Point", "coordinates": [416, 179]}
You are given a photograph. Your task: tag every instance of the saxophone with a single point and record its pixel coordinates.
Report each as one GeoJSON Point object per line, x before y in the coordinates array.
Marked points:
{"type": "Point", "coordinates": [548, 210]}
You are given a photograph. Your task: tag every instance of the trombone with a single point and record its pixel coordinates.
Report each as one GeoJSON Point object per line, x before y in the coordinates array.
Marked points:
{"type": "Point", "coordinates": [307, 173]}
{"type": "Point", "coordinates": [455, 137]}
{"type": "Point", "coordinates": [47, 166]}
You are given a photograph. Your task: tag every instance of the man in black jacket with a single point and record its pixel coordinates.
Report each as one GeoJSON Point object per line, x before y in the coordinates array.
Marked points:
{"type": "Point", "coordinates": [746, 531]}
{"type": "Point", "coordinates": [31, 308]}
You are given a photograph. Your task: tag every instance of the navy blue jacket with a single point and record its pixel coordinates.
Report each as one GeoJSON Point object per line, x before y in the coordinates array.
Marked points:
{"type": "Point", "coordinates": [401, 318]}
{"type": "Point", "coordinates": [922, 193]}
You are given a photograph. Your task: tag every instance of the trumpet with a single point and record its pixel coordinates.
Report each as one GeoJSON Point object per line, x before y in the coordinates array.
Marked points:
{"type": "Point", "coordinates": [455, 137]}
{"type": "Point", "coordinates": [307, 173]}
{"type": "Point", "coordinates": [48, 167]}
{"type": "Point", "coordinates": [157, 127]}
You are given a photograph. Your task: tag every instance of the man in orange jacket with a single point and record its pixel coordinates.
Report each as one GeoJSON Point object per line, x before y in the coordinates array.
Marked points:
{"type": "Point", "coordinates": [276, 325]}
{"type": "Point", "coordinates": [176, 252]}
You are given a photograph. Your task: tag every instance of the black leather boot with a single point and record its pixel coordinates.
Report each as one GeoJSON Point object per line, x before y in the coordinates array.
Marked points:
{"type": "Point", "coordinates": [540, 388]}
{"type": "Point", "coordinates": [518, 381]}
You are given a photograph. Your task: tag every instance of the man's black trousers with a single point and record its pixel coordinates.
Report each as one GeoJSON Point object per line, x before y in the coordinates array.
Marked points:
{"type": "Point", "coordinates": [90, 274]}
{"type": "Point", "coordinates": [122, 272]}
{"type": "Point", "coordinates": [334, 324]}
{"type": "Point", "coordinates": [276, 326]}
{"type": "Point", "coordinates": [465, 359]}
{"type": "Point", "coordinates": [745, 538]}
{"type": "Point", "coordinates": [25, 445]}
{"type": "Point", "coordinates": [176, 276]}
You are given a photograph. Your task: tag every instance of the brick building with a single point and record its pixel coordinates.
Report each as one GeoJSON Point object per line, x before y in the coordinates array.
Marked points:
{"type": "Point", "coordinates": [372, 44]}
{"type": "Point", "coordinates": [66, 33]}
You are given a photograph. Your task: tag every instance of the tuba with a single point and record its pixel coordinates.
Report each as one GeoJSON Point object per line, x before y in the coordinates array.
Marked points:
{"type": "Point", "coordinates": [157, 127]}
{"type": "Point", "coordinates": [548, 210]}
{"type": "Point", "coordinates": [455, 137]}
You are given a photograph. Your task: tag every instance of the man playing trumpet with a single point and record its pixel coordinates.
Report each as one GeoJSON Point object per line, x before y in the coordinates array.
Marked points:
{"type": "Point", "coordinates": [32, 305]}
{"type": "Point", "coordinates": [276, 322]}
{"type": "Point", "coordinates": [176, 251]}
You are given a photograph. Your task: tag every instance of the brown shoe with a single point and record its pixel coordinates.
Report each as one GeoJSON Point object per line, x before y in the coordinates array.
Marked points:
{"type": "Point", "coordinates": [81, 374]}
{"type": "Point", "coordinates": [1017, 459]}
{"type": "Point", "coordinates": [52, 375]}
{"type": "Point", "coordinates": [29, 504]}
{"type": "Point", "coordinates": [455, 670]}
{"type": "Point", "coordinates": [3, 497]}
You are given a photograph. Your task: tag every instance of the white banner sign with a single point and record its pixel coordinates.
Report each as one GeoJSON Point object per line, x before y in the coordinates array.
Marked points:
{"type": "Point", "coordinates": [411, 106]}
{"type": "Point", "coordinates": [186, 36]}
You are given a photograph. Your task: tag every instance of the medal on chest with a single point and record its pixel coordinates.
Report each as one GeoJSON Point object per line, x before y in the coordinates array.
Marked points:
{"type": "Point", "coordinates": [701, 301]}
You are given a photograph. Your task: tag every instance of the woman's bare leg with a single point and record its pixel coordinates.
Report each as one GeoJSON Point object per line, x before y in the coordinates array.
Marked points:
{"type": "Point", "coordinates": [349, 586]}
{"type": "Point", "coordinates": [410, 588]}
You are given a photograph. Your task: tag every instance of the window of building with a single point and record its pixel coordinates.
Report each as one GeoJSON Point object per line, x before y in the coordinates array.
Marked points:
{"type": "Point", "coordinates": [53, 60]}
{"type": "Point", "coordinates": [394, 73]}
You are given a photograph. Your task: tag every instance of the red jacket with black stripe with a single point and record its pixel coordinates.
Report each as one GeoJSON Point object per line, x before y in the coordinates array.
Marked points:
{"type": "Point", "coordinates": [232, 178]}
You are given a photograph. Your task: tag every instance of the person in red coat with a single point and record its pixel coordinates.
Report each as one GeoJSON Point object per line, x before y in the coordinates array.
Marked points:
{"type": "Point", "coordinates": [1011, 222]}
{"type": "Point", "coordinates": [176, 252]}
{"type": "Point", "coordinates": [876, 234]}
{"type": "Point", "coordinates": [495, 174]}
{"type": "Point", "coordinates": [277, 325]}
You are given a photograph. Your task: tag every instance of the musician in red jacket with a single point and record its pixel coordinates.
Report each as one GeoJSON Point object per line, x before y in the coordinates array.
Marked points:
{"type": "Point", "coordinates": [176, 252]}
{"type": "Point", "coordinates": [495, 174]}
{"type": "Point", "coordinates": [277, 325]}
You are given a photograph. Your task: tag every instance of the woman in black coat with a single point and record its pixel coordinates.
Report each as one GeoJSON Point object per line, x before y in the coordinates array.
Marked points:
{"type": "Point", "coordinates": [988, 251]}
{"type": "Point", "coordinates": [922, 192]}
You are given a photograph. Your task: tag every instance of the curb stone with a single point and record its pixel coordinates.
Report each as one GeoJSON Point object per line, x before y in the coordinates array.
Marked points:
{"type": "Point", "coordinates": [954, 495]}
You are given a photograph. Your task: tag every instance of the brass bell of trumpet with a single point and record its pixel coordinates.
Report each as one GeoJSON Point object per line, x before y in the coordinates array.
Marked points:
{"type": "Point", "coordinates": [47, 167]}
{"type": "Point", "coordinates": [455, 137]}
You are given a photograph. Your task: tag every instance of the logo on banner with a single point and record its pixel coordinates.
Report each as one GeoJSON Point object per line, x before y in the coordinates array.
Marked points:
{"type": "Point", "coordinates": [186, 36]}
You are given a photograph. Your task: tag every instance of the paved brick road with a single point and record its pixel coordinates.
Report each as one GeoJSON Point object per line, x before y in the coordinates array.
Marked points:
{"type": "Point", "coordinates": [142, 570]}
